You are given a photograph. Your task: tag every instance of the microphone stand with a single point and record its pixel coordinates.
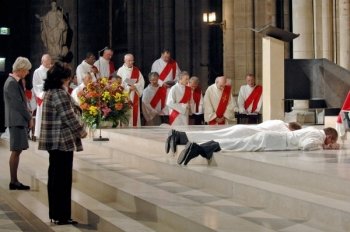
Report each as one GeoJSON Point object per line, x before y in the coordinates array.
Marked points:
{"type": "Point", "coordinates": [100, 138]}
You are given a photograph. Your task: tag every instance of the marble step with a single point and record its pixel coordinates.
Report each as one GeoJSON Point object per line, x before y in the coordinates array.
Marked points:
{"type": "Point", "coordinates": [153, 203]}
{"type": "Point", "coordinates": [276, 198]}
{"type": "Point", "coordinates": [295, 168]}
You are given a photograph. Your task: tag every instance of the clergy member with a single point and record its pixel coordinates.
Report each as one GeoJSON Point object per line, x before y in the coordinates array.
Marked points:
{"type": "Point", "coordinates": [196, 102]}
{"type": "Point", "coordinates": [249, 97]}
{"type": "Point", "coordinates": [38, 87]}
{"type": "Point", "coordinates": [178, 101]}
{"type": "Point", "coordinates": [153, 101]}
{"type": "Point", "coordinates": [86, 66]}
{"type": "Point", "coordinates": [132, 81]}
{"type": "Point", "coordinates": [219, 105]}
{"type": "Point", "coordinates": [87, 78]}
{"type": "Point", "coordinates": [167, 68]}
{"type": "Point", "coordinates": [104, 64]}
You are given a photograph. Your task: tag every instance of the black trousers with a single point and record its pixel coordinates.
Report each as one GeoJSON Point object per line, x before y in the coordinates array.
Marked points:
{"type": "Point", "coordinates": [59, 186]}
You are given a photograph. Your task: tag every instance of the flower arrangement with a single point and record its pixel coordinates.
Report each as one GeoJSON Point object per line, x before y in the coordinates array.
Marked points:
{"type": "Point", "coordinates": [104, 101]}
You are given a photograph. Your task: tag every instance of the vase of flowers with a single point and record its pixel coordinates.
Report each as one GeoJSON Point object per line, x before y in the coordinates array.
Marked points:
{"type": "Point", "coordinates": [104, 101]}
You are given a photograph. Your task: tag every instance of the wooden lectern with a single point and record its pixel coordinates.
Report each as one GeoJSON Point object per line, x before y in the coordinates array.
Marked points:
{"type": "Point", "coordinates": [273, 70]}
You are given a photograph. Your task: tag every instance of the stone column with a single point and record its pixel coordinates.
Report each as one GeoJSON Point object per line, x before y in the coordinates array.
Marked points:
{"type": "Point", "coordinates": [303, 46]}
{"type": "Point", "coordinates": [323, 28]}
{"type": "Point", "coordinates": [229, 38]}
{"type": "Point", "coordinates": [344, 33]}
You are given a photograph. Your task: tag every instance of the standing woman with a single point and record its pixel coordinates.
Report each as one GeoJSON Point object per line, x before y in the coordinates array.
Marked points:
{"type": "Point", "coordinates": [61, 133]}
{"type": "Point", "coordinates": [17, 117]}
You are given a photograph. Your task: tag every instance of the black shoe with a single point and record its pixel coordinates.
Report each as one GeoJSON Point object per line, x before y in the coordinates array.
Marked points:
{"type": "Point", "coordinates": [183, 155]}
{"type": "Point", "coordinates": [167, 141]}
{"type": "Point", "coordinates": [178, 138]}
{"type": "Point", "coordinates": [66, 222]}
{"type": "Point", "coordinates": [191, 151]}
{"type": "Point", "coordinates": [18, 186]}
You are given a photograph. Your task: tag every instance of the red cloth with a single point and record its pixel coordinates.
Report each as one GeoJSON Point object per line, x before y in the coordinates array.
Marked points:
{"type": "Point", "coordinates": [346, 106]}
{"type": "Point", "coordinates": [185, 99]}
{"type": "Point", "coordinates": [253, 98]}
{"type": "Point", "coordinates": [159, 96]}
{"type": "Point", "coordinates": [225, 97]}
{"type": "Point", "coordinates": [171, 66]}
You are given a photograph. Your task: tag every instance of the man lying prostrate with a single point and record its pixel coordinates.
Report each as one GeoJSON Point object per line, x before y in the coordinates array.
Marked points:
{"type": "Point", "coordinates": [306, 139]}
{"type": "Point", "coordinates": [237, 131]}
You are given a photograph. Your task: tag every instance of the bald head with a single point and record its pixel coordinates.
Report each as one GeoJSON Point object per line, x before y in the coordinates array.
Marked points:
{"type": "Point", "coordinates": [46, 60]}
{"type": "Point", "coordinates": [129, 60]}
{"type": "Point", "coordinates": [221, 82]}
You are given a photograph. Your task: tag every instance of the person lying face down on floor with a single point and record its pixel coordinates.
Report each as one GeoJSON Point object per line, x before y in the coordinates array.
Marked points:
{"type": "Point", "coordinates": [303, 139]}
{"type": "Point", "coordinates": [236, 131]}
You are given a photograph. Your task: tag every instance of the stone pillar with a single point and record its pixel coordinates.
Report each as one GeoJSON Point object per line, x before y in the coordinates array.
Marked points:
{"type": "Point", "coordinates": [344, 33]}
{"type": "Point", "coordinates": [229, 38]}
{"type": "Point", "coordinates": [303, 46]}
{"type": "Point", "coordinates": [273, 78]}
{"type": "Point", "coordinates": [323, 28]}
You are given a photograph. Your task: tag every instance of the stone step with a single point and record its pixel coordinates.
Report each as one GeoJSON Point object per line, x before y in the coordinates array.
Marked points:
{"type": "Point", "coordinates": [301, 201]}
{"type": "Point", "coordinates": [299, 169]}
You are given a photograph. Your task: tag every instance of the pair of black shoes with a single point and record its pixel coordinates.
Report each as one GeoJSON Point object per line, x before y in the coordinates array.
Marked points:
{"type": "Point", "coordinates": [175, 138]}
{"type": "Point", "coordinates": [18, 186]}
{"type": "Point", "coordinates": [192, 150]}
{"type": "Point", "coordinates": [65, 222]}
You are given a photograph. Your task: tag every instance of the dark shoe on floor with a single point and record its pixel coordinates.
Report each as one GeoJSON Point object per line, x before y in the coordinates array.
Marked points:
{"type": "Point", "coordinates": [66, 222]}
{"type": "Point", "coordinates": [191, 151]}
{"type": "Point", "coordinates": [18, 186]}
{"type": "Point", "coordinates": [184, 153]}
{"type": "Point", "coordinates": [168, 141]}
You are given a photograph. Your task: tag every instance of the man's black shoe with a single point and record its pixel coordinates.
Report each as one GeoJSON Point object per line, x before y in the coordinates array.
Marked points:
{"type": "Point", "coordinates": [184, 153]}
{"type": "Point", "coordinates": [195, 150]}
{"type": "Point", "coordinates": [168, 140]}
{"type": "Point", "coordinates": [18, 186]}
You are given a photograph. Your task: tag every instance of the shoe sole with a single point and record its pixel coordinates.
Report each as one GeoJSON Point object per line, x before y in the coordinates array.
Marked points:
{"type": "Point", "coordinates": [167, 142]}
{"type": "Point", "coordinates": [184, 154]}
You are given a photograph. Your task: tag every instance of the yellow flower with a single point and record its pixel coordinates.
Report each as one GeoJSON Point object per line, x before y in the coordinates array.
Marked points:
{"type": "Point", "coordinates": [93, 110]}
{"type": "Point", "coordinates": [106, 96]}
{"type": "Point", "coordinates": [104, 80]}
{"type": "Point", "coordinates": [118, 97]}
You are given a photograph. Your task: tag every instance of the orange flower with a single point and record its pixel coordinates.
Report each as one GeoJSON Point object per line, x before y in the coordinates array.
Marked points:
{"type": "Point", "coordinates": [118, 106]}
{"type": "Point", "coordinates": [84, 106]}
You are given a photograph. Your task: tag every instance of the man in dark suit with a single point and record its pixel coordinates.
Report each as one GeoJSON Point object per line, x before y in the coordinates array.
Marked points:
{"type": "Point", "coordinates": [17, 117]}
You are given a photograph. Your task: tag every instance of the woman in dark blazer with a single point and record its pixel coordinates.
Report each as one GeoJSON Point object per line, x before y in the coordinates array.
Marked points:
{"type": "Point", "coordinates": [18, 119]}
{"type": "Point", "coordinates": [61, 133]}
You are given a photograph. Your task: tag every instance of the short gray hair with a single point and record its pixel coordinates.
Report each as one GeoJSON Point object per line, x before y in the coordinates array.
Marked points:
{"type": "Point", "coordinates": [194, 79]}
{"type": "Point", "coordinates": [21, 63]}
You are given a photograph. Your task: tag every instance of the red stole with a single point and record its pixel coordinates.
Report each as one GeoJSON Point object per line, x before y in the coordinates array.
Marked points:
{"type": "Point", "coordinates": [185, 98]}
{"type": "Point", "coordinates": [225, 97]}
{"type": "Point", "coordinates": [28, 94]}
{"type": "Point", "coordinates": [170, 66]}
{"type": "Point", "coordinates": [39, 101]}
{"type": "Point", "coordinates": [197, 94]}
{"type": "Point", "coordinates": [159, 96]}
{"type": "Point", "coordinates": [254, 98]}
{"type": "Point", "coordinates": [135, 107]}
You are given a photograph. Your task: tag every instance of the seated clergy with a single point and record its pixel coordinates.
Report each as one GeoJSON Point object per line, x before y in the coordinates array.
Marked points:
{"type": "Point", "coordinates": [219, 106]}
{"type": "Point", "coordinates": [178, 101]}
{"type": "Point", "coordinates": [153, 101]}
{"type": "Point", "coordinates": [196, 102]}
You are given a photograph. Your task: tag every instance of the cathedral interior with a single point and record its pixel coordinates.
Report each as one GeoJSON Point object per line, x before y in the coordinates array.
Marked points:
{"type": "Point", "coordinates": [144, 189]}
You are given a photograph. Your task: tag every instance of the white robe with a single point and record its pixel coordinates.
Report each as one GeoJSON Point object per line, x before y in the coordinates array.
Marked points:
{"type": "Point", "coordinates": [103, 67]}
{"type": "Point", "coordinates": [82, 69]}
{"type": "Point", "coordinates": [148, 111]}
{"type": "Point", "coordinates": [125, 73]}
{"type": "Point", "coordinates": [237, 131]}
{"type": "Point", "coordinates": [75, 92]}
{"type": "Point", "coordinates": [211, 101]}
{"type": "Point", "coordinates": [38, 84]}
{"type": "Point", "coordinates": [304, 139]}
{"type": "Point", "coordinates": [244, 93]}
{"type": "Point", "coordinates": [158, 67]}
{"type": "Point", "coordinates": [176, 94]}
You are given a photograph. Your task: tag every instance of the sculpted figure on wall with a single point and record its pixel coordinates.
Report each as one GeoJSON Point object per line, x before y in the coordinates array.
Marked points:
{"type": "Point", "coordinates": [54, 31]}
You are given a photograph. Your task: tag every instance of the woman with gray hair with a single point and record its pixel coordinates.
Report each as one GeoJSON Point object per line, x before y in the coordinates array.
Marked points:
{"type": "Point", "coordinates": [17, 117]}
